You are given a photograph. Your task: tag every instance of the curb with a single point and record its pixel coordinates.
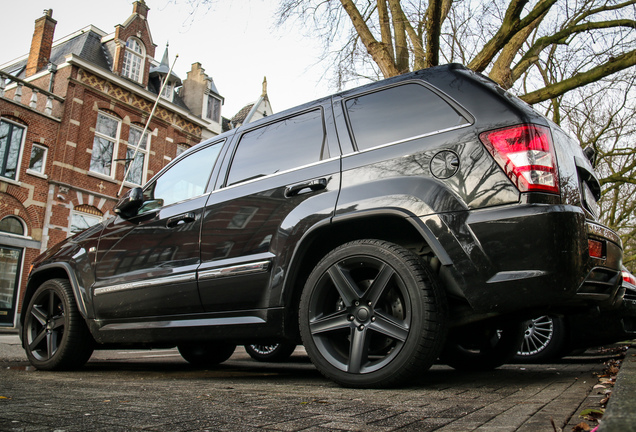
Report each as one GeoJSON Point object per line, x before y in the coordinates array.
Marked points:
{"type": "Point", "coordinates": [620, 414]}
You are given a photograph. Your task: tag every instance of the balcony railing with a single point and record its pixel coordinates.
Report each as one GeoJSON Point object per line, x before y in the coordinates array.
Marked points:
{"type": "Point", "coordinates": [12, 88]}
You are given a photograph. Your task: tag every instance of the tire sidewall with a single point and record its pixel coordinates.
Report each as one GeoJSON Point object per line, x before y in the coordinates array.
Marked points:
{"type": "Point", "coordinates": [59, 360]}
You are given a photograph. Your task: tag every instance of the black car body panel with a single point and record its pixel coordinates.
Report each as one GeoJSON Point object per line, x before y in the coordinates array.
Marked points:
{"type": "Point", "coordinates": [228, 262]}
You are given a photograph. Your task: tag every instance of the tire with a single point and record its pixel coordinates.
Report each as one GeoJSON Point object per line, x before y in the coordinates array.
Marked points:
{"type": "Point", "coordinates": [482, 346]}
{"type": "Point", "coordinates": [278, 352]}
{"type": "Point", "coordinates": [544, 340]}
{"type": "Point", "coordinates": [55, 335]}
{"type": "Point", "coordinates": [371, 315]}
{"type": "Point", "coordinates": [206, 354]}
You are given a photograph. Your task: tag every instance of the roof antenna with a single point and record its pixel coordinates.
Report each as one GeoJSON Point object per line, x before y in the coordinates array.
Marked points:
{"type": "Point", "coordinates": [152, 113]}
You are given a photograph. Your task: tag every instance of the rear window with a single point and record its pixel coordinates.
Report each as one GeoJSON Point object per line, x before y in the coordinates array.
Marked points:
{"type": "Point", "coordinates": [399, 113]}
{"type": "Point", "coordinates": [279, 146]}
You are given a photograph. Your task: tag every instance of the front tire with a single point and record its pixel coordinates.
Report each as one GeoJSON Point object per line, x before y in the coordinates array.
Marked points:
{"type": "Point", "coordinates": [371, 315]}
{"type": "Point", "coordinates": [55, 335]}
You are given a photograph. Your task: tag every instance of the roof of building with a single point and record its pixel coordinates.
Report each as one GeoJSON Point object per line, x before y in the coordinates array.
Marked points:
{"type": "Point", "coordinates": [90, 44]}
{"type": "Point", "coordinates": [240, 116]}
{"type": "Point", "coordinates": [164, 68]}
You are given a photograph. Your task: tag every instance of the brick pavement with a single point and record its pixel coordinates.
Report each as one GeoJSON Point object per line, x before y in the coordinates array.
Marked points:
{"type": "Point", "coordinates": [165, 394]}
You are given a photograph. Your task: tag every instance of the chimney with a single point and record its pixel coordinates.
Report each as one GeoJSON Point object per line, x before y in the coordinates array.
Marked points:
{"type": "Point", "coordinates": [140, 7]}
{"type": "Point", "coordinates": [41, 43]}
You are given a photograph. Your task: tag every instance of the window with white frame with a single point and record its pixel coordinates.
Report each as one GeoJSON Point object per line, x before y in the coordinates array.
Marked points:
{"type": "Point", "coordinates": [137, 173]}
{"type": "Point", "coordinates": [12, 225]}
{"type": "Point", "coordinates": [133, 64]}
{"type": "Point", "coordinates": [182, 148]}
{"type": "Point", "coordinates": [213, 109]}
{"type": "Point", "coordinates": [84, 216]}
{"type": "Point", "coordinates": [11, 138]}
{"type": "Point", "coordinates": [168, 91]}
{"type": "Point", "coordinates": [104, 144]}
{"type": "Point", "coordinates": [37, 162]}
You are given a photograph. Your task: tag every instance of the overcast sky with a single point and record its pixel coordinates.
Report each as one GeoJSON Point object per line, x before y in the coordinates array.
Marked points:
{"type": "Point", "coordinates": [235, 42]}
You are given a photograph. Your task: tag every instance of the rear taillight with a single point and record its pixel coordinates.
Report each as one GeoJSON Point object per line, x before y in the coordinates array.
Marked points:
{"type": "Point", "coordinates": [526, 154]}
{"type": "Point", "coordinates": [628, 277]}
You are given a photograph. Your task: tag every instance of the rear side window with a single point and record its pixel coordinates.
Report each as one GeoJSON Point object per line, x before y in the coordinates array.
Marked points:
{"type": "Point", "coordinates": [399, 113]}
{"type": "Point", "coordinates": [279, 146]}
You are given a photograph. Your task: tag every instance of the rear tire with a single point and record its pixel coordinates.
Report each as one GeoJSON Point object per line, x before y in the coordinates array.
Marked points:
{"type": "Point", "coordinates": [371, 315]}
{"type": "Point", "coordinates": [482, 346]}
{"type": "Point", "coordinates": [206, 354]}
{"type": "Point", "coordinates": [55, 335]}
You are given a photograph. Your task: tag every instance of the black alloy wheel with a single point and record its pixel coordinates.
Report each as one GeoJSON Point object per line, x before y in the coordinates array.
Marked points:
{"type": "Point", "coordinates": [371, 315]}
{"type": "Point", "coordinates": [54, 334]}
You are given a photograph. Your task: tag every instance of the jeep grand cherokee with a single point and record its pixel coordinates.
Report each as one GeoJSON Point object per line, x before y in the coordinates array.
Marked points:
{"type": "Point", "coordinates": [384, 227]}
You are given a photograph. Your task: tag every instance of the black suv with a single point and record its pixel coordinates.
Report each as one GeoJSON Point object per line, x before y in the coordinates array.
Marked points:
{"type": "Point", "coordinates": [419, 217]}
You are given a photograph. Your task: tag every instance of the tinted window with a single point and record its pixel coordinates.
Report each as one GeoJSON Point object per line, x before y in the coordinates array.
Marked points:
{"type": "Point", "coordinates": [186, 179]}
{"type": "Point", "coordinates": [279, 146]}
{"type": "Point", "coordinates": [398, 113]}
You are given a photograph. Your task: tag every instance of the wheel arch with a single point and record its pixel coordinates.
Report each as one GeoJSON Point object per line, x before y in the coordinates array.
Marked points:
{"type": "Point", "coordinates": [393, 225]}
{"type": "Point", "coordinates": [46, 272]}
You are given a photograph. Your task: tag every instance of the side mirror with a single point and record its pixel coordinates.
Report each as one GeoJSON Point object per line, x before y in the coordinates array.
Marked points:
{"type": "Point", "coordinates": [130, 203]}
{"type": "Point", "coordinates": [590, 154]}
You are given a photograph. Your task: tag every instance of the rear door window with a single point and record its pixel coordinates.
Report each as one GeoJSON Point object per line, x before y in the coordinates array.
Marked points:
{"type": "Point", "coordinates": [290, 143]}
{"type": "Point", "coordinates": [399, 113]}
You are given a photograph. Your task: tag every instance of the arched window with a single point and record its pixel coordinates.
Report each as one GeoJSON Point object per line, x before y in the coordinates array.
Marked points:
{"type": "Point", "coordinates": [84, 216]}
{"type": "Point", "coordinates": [134, 55]}
{"type": "Point", "coordinates": [12, 225]}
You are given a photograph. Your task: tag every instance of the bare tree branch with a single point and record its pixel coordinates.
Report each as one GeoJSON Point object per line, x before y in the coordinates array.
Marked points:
{"type": "Point", "coordinates": [613, 65]}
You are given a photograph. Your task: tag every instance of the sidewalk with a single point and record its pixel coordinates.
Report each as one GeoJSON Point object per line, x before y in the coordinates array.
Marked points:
{"type": "Point", "coordinates": [516, 398]}
{"type": "Point", "coordinates": [621, 410]}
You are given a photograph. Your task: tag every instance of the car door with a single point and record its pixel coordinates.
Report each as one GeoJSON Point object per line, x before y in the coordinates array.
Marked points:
{"type": "Point", "coordinates": [146, 264]}
{"type": "Point", "coordinates": [282, 177]}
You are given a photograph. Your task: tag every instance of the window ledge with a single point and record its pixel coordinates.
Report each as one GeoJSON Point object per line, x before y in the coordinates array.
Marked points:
{"type": "Point", "coordinates": [10, 181]}
{"type": "Point", "coordinates": [102, 177]}
{"type": "Point", "coordinates": [37, 174]}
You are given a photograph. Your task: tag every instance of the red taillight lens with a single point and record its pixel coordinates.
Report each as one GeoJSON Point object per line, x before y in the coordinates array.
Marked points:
{"type": "Point", "coordinates": [526, 154]}
{"type": "Point", "coordinates": [596, 248]}
{"type": "Point", "coordinates": [628, 277]}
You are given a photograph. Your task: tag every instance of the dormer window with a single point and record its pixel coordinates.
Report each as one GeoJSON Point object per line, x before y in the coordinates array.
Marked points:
{"type": "Point", "coordinates": [134, 55]}
{"type": "Point", "coordinates": [213, 109]}
{"type": "Point", "coordinates": [168, 91]}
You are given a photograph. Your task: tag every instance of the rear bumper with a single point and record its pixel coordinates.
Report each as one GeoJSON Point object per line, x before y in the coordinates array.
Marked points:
{"type": "Point", "coordinates": [532, 257]}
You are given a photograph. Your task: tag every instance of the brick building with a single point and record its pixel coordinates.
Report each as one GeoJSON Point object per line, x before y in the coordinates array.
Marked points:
{"type": "Point", "coordinates": [72, 112]}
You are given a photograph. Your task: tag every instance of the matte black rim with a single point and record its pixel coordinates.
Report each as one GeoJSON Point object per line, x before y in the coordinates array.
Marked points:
{"type": "Point", "coordinates": [360, 314]}
{"type": "Point", "coordinates": [45, 325]}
